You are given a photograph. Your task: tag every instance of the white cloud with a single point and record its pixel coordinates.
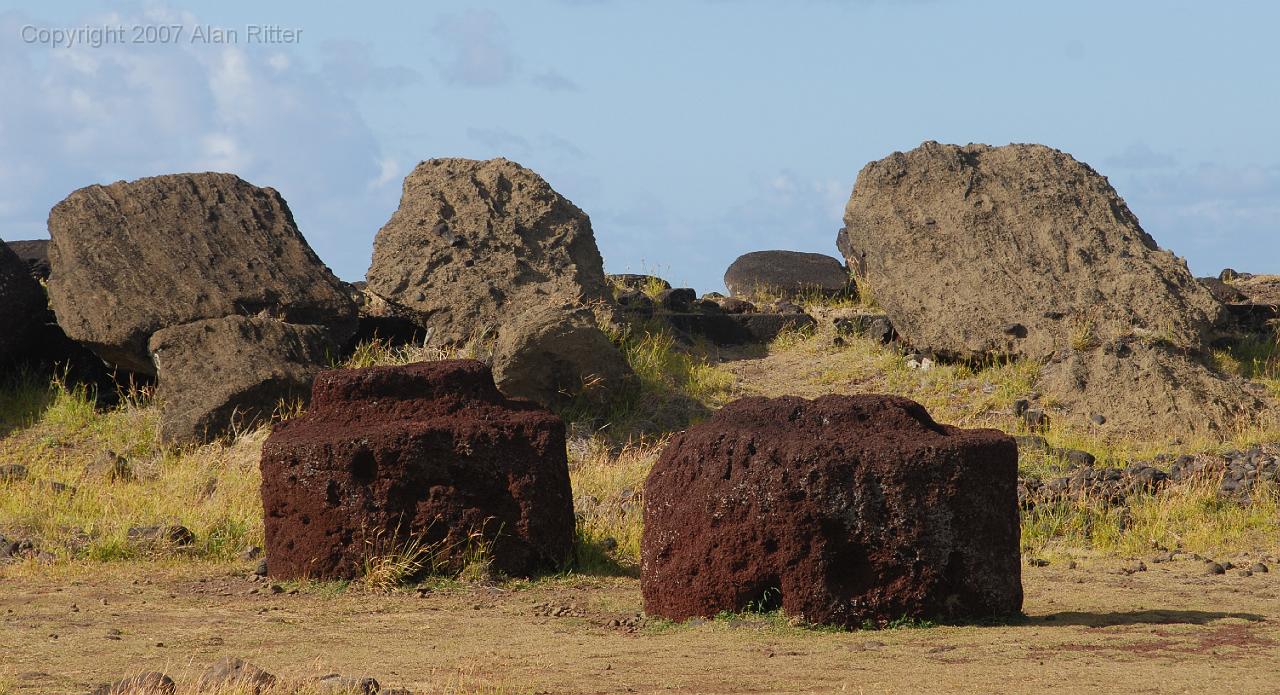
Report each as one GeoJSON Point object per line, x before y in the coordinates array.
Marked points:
{"type": "Point", "coordinates": [78, 116]}
{"type": "Point", "coordinates": [479, 54]}
{"type": "Point", "coordinates": [552, 81]}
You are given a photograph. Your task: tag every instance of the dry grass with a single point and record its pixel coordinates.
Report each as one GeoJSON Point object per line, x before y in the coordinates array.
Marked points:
{"type": "Point", "coordinates": [59, 436]}
{"type": "Point", "coordinates": [1192, 516]}
{"type": "Point", "coordinates": [608, 491]}
{"type": "Point", "coordinates": [57, 432]}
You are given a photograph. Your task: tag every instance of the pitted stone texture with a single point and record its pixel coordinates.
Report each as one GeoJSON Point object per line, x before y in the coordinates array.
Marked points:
{"type": "Point", "coordinates": [841, 510]}
{"type": "Point", "coordinates": [429, 452]}
{"type": "Point", "coordinates": [1013, 250]}
{"type": "Point", "coordinates": [474, 241]}
{"type": "Point", "coordinates": [130, 259]}
{"type": "Point", "coordinates": [221, 375]}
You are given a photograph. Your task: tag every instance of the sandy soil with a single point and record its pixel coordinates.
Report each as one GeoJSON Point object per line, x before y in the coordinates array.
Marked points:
{"type": "Point", "coordinates": [1089, 629]}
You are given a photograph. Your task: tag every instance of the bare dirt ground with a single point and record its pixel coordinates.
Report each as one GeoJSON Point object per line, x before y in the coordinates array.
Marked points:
{"type": "Point", "coordinates": [1092, 628]}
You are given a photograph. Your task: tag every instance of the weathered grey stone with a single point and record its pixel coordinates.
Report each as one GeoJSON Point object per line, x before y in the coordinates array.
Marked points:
{"type": "Point", "coordinates": [221, 374]}
{"type": "Point", "coordinates": [475, 241]}
{"type": "Point", "coordinates": [131, 259]}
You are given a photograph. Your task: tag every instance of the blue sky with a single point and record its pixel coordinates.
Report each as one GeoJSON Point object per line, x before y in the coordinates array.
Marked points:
{"type": "Point", "coordinates": [690, 131]}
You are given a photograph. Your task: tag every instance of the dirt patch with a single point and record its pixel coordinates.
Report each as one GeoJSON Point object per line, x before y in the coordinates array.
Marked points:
{"type": "Point", "coordinates": [67, 628]}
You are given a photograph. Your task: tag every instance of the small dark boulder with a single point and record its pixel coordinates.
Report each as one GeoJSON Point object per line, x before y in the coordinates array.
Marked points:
{"type": "Point", "coordinates": [788, 274]}
{"type": "Point", "coordinates": [678, 299]}
{"type": "Point", "coordinates": [839, 510]}
{"type": "Point", "coordinates": [428, 452]}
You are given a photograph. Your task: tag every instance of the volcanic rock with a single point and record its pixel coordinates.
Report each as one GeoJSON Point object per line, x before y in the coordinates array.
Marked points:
{"type": "Point", "coordinates": [131, 259]}
{"type": "Point", "coordinates": [429, 453]}
{"type": "Point", "coordinates": [22, 305]}
{"type": "Point", "coordinates": [232, 373]}
{"type": "Point", "coordinates": [839, 510]}
{"type": "Point", "coordinates": [960, 243]}
{"type": "Point", "coordinates": [235, 673]}
{"type": "Point", "coordinates": [1148, 389]}
{"type": "Point", "coordinates": [473, 241]}
{"type": "Point", "coordinates": [35, 253]}
{"type": "Point", "coordinates": [554, 354]}
{"type": "Point", "coordinates": [148, 683]}
{"type": "Point", "coordinates": [789, 274]}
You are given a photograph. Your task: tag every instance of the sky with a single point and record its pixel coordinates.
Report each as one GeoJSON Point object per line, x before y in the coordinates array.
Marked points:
{"type": "Point", "coordinates": [691, 131]}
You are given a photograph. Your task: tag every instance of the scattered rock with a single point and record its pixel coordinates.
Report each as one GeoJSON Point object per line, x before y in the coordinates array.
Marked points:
{"type": "Point", "coordinates": [476, 241]}
{"type": "Point", "coordinates": [556, 354]}
{"type": "Point", "coordinates": [803, 503]}
{"type": "Point", "coordinates": [679, 299]}
{"type": "Point", "coordinates": [430, 451]}
{"type": "Point", "coordinates": [1037, 562]}
{"type": "Point", "coordinates": [738, 329]}
{"type": "Point", "coordinates": [111, 467]}
{"type": "Point", "coordinates": [638, 282]}
{"type": "Point", "coordinates": [13, 473]}
{"type": "Point", "coordinates": [1259, 568]}
{"type": "Point", "coordinates": [789, 274]}
{"type": "Point", "coordinates": [236, 673]}
{"type": "Point", "coordinates": [1021, 234]}
{"type": "Point", "coordinates": [874, 326]}
{"type": "Point", "coordinates": [342, 685]}
{"type": "Point", "coordinates": [131, 259]}
{"type": "Point", "coordinates": [635, 301]}
{"type": "Point", "coordinates": [1134, 567]}
{"type": "Point", "coordinates": [1214, 568]}
{"type": "Point", "coordinates": [735, 305]}
{"type": "Point", "coordinates": [228, 374]}
{"type": "Point", "coordinates": [261, 569]}
{"type": "Point", "coordinates": [161, 535]}
{"type": "Point", "coordinates": [148, 683]}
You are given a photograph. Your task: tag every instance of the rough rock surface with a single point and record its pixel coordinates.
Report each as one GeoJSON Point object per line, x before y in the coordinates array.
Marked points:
{"type": "Point", "coordinates": [382, 319]}
{"type": "Point", "coordinates": [430, 451]}
{"type": "Point", "coordinates": [146, 683]}
{"type": "Point", "coordinates": [1148, 390]}
{"type": "Point", "coordinates": [976, 250]}
{"type": "Point", "coordinates": [637, 281]}
{"type": "Point", "coordinates": [553, 354]}
{"type": "Point", "coordinates": [35, 253]}
{"type": "Point", "coordinates": [130, 259]}
{"type": "Point", "coordinates": [233, 673]}
{"type": "Point", "coordinates": [737, 329]}
{"type": "Point", "coordinates": [22, 304]}
{"type": "Point", "coordinates": [221, 374]}
{"type": "Point", "coordinates": [1259, 289]}
{"type": "Point", "coordinates": [841, 510]}
{"type": "Point", "coordinates": [787, 274]}
{"type": "Point", "coordinates": [473, 241]}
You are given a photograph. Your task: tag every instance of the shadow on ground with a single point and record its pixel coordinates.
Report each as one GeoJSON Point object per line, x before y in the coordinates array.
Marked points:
{"type": "Point", "coordinates": [1144, 617]}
